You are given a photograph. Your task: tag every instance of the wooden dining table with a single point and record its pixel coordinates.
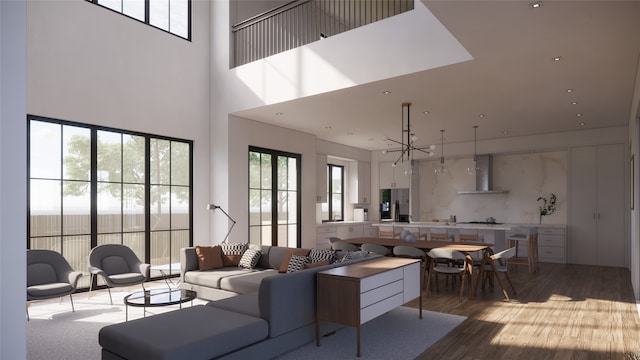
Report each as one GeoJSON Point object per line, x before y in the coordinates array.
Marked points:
{"type": "Point", "coordinates": [426, 245]}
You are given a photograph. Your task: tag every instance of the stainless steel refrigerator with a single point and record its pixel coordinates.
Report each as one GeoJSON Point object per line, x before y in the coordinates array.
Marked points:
{"type": "Point", "coordinates": [394, 204]}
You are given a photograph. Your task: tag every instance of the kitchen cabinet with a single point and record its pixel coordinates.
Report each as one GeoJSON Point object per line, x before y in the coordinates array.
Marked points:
{"type": "Point", "coordinates": [597, 205]}
{"type": "Point", "coordinates": [359, 182]}
{"type": "Point", "coordinates": [394, 177]}
{"type": "Point", "coordinates": [323, 233]}
{"type": "Point", "coordinates": [321, 180]}
{"type": "Point", "coordinates": [349, 231]}
{"type": "Point", "coordinates": [552, 245]}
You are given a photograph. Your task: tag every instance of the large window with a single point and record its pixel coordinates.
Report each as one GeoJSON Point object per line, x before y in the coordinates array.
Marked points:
{"type": "Point", "coordinates": [90, 186]}
{"type": "Point", "coordinates": [274, 199]}
{"type": "Point", "coordinates": [333, 210]}
{"type": "Point", "coordinates": [173, 16]}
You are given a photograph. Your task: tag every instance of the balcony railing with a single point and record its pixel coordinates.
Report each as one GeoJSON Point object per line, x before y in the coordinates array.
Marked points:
{"type": "Point", "coordinates": [301, 22]}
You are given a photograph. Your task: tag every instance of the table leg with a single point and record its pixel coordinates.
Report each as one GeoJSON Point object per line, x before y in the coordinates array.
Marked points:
{"type": "Point", "coordinates": [358, 330]}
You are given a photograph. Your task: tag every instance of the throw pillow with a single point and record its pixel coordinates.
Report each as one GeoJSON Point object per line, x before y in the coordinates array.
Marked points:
{"type": "Point", "coordinates": [250, 258]}
{"type": "Point", "coordinates": [232, 253]}
{"type": "Point", "coordinates": [320, 254]}
{"type": "Point", "coordinates": [209, 257]}
{"type": "Point", "coordinates": [316, 264]}
{"type": "Point", "coordinates": [352, 255]}
{"type": "Point", "coordinates": [297, 263]}
{"type": "Point", "coordinates": [287, 257]}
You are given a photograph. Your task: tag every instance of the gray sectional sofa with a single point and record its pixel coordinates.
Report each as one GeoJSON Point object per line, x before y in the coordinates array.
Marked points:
{"type": "Point", "coordinates": [277, 317]}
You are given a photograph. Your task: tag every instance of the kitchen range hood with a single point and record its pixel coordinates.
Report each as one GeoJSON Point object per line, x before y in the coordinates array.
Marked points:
{"type": "Point", "coordinates": [484, 183]}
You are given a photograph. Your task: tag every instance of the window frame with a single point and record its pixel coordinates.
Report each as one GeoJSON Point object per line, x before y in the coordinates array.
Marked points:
{"type": "Point", "coordinates": [274, 190]}
{"type": "Point", "coordinates": [93, 192]}
{"type": "Point", "coordinates": [147, 20]}
{"type": "Point", "coordinates": [330, 192]}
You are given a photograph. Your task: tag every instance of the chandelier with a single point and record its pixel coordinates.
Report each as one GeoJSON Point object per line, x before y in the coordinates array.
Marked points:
{"type": "Point", "coordinates": [407, 148]}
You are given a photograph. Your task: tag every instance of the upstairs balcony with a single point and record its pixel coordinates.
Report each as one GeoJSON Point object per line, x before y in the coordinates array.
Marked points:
{"type": "Point", "coordinates": [301, 22]}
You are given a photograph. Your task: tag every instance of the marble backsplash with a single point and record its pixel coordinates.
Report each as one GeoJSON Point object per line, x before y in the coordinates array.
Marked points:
{"type": "Point", "coordinates": [524, 176]}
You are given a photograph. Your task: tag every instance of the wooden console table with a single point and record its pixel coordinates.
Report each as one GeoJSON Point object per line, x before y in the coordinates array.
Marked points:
{"type": "Point", "coordinates": [354, 294]}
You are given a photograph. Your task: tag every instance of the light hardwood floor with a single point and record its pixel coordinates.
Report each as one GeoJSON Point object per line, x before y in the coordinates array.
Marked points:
{"type": "Point", "coordinates": [561, 312]}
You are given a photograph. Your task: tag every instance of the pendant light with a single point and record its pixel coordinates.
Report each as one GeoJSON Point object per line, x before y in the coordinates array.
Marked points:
{"type": "Point", "coordinates": [441, 169]}
{"type": "Point", "coordinates": [474, 169]}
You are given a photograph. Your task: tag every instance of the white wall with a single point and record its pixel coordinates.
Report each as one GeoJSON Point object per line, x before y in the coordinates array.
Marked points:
{"type": "Point", "coordinates": [252, 133]}
{"type": "Point", "coordinates": [91, 65]}
{"type": "Point", "coordinates": [13, 192]}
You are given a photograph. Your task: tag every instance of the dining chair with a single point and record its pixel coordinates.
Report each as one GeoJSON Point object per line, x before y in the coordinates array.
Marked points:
{"type": "Point", "coordinates": [413, 253]}
{"type": "Point", "coordinates": [494, 264]}
{"type": "Point", "coordinates": [332, 240]}
{"type": "Point", "coordinates": [344, 246]}
{"type": "Point", "coordinates": [436, 267]}
{"type": "Point", "coordinates": [472, 235]}
{"type": "Point", "coordinates": [525, 240]}
{"type": "Point", "coordinates": [376, 249]}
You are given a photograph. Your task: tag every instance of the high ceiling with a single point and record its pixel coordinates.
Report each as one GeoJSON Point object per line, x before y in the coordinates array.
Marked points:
{"type": "Point", "coordinates": [512, 87]}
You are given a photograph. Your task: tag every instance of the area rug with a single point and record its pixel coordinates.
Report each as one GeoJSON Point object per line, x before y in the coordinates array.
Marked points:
{"type": "Point", "coordinates": [398, 334]}
{"type": "Point", "coordinates": [55, 332]}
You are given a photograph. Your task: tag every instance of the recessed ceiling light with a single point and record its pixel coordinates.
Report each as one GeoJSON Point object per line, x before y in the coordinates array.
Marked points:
{"type": "Point", "coordinates": [578, 114]}
{"type": "Point", "coordinates": [327, 127]}
{"type": "Point", "coordinates": [574, 103]}
{"type": "Point", "coordinates": [582, 124]}
{"type": "Point", "coordinates": [426, 112]}
{"type": "Point", "coordinates": [386, 92]}
{"type": "Point", "coordinates": [557, 58]}
{"type": "Point", "coordinates": [505, 132]}
{"type": "Point", "coordinates": [279, 114]}
{"type": "Point", "coordinates": [569, 90]}
{"type": "Point", "coordinates": [535, 5]}
{"type": "Point", "coordinates": [481, 115]}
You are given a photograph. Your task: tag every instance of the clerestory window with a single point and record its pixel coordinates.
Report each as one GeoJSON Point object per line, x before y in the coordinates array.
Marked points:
{"type": "Point", "coordinates": [173, 16]}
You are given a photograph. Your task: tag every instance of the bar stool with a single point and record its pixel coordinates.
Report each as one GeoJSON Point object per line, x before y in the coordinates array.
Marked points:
{"type": "Point", "coordinates": [524, 239]}
{"type": "Point", "coordinates": [439, 234]}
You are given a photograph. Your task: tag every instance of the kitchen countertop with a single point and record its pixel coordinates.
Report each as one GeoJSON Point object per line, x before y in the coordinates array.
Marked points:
{"type": "Point", "coordinates": [338, 223]}
{"type": "Point", "coordinates": [480, 226]}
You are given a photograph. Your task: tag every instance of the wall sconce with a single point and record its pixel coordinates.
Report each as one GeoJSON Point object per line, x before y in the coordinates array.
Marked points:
{"type": "Point", "coordinates": [233, 222]}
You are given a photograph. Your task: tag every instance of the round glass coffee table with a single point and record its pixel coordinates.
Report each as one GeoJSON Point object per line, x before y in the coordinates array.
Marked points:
{"type": "Point", "coordinates": [157, 297]}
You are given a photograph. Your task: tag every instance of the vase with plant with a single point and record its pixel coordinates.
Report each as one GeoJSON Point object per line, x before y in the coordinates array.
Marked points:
{"type": "Point", "coordinates": [548, 207]}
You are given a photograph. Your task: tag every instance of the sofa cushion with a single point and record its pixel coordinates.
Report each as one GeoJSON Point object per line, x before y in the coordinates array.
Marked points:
{"type": "Point", "coordinates": [247, 282]}
{"type": "Point", "coordinates": [250, 258]}
{"type": "Point", "coordinates": [46, 290]}
{"type": "Point", "coordinates": [198, 332]}
{"type": "Point", "coordinates": [212, 278]}
{"type": "Point", "coordinates": [287, 256]}
{"type": "Point", "coordinates": [232, 253]}
{"type": "Point", "coordinates": [209, 257]}
{"type": "Point", "coordinates": [297, 263]}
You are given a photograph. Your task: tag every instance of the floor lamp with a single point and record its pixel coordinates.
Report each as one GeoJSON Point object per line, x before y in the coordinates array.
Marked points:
{"type": "Point", "coordinates": [233, 222]}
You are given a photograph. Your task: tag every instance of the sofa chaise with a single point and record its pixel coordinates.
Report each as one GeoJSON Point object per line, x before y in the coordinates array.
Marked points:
{"type": "Point", "coordinates": [274, 318]}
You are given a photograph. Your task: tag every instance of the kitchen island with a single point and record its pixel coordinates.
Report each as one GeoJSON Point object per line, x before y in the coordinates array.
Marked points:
{"type": "Point", "coordinates": [493, 233]}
